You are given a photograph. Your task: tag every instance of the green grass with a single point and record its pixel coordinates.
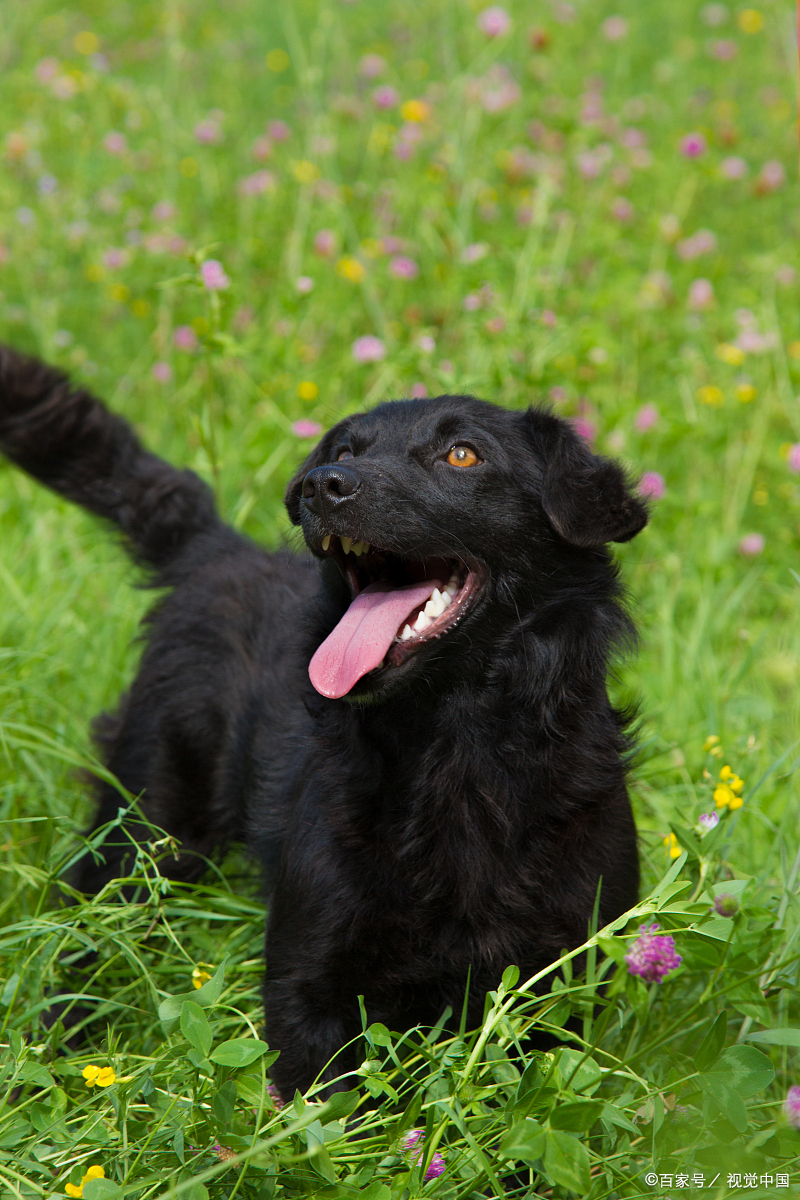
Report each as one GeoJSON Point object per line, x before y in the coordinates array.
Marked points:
{"type": "Point", "coordinates": [660, 1082]}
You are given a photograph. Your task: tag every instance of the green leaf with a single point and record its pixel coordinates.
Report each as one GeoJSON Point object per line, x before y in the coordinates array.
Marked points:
{"type": "Point", "coordinates": [776, 1037]}
{"type": "Point", "coordinates": [169, 1010]}
{"type": "Point", "coordinates": [223, 1102]}
{"type": "Point", "coordinates": [525, 1141]}
{"type": "Point", "coordinates": [102, 1189]}
{"type": "Point", "coordinates": [376, 1191]}
{"type": "Point", "coordinates": [745, 1069]}
{"type": "Point", "coordinates": [379, 1035]}
{"type": "Point", "coordinates": [576, 1115]}
{"type": "Point", "coordinates": [195, 1027]}
{"type": "Point", "coordinates": [510, 978]}
{"type": "Point", "coordinates": [581, 1078]}
{"type": "Point", "coordinates": [566, 1160]}
{"type": "Point", "coordinates": [341, 1104]}
{"type": "Point", "coordinates": [687, 840]}
{"type": "Point", "coordinates": [615, 1116]}
{"type": "Point", "coordinates": [727, 1101]}
{"type": "Point", "coordinates": [196, 1191]}
{"type": "Point", "coordinates": [613, 948]}
{"type": "Point", "coordinates": [238, 1052]}
{"type": "Point", "coordinates": [9, 989]}
{"type": "Point", "coordinates": [712, 1043]}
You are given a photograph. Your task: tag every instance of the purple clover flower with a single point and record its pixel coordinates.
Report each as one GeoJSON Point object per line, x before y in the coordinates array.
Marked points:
{"type": "Point", "coordinates": [403, 267]}
{"type": "Point", "coordinates": [213, 275]}
{"type": "Point", "coordinates": [306, 429]}
{"type": "Point", "coordinates": [652, 486]}
{"type": "Point", "coordinates": [185, 338]}
{"type": "Point", "coordinates": [652, 955]}
{"type": "Point", "coordinates": [751, 544]}
{"type": "Point", "coordinates": [494, 22]}
{"type": "Point", "coordinates": [386, 97]}
{"type": "Point", "coordinates": [646, 418]}
{"type": "Point", "coordinates": [791, 1107]}
{"type": "Point", "coordinates": [701, 295]}
{"type": "Point", "coordinates": [413, 1143]}
{"type": "Point", "coordinates": [725, 905]}
{"type": "Point", "coordinates": [708, 821]}
{"type": "Point", "coordinates": [693, 145]}
{"type": "Point", "coordinates": [368, 349]}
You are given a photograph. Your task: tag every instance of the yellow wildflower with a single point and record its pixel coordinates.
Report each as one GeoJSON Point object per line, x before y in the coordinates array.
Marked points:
{"type": "Point", "coordinates": [731, 778]}
{"type": "Point", "coordinates": [199, 977]}
{"type": "Point", "coordinates": [86, 42]}
{"type": "Point", "coordinates": [350, 268]}
{"type": "Point", "coordinates": [710, 394]}
{"type": "Point", "coordinates": [98, 1076]}
{"type": "Point", "coordinates": [730, 354]}
{"type": "Point", "coordinates": [305, 171]}
{"type": "Point", "coordinates": [750, 20]}
{"type": "Point", "coordinates": [726, 793]}
{"type": "Point", "coordinates": [277, 61]}
{"type": "Point", "coordinates": [674, 850]}
{"type": "Point", "coordinates": [745, 392]}
{"type": "Point", "coordinates": [307, 390]}
{"type": "Point", "coordinates": [95, 1172]}
{"type": "Point", "coordinates": [711, 740]}
{"type": "Point", "coordinates": [415, 110]}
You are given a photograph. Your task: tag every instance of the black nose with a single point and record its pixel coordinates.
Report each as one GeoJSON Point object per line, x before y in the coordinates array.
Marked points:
{"type": "Point", "coordinates": [326, 487]}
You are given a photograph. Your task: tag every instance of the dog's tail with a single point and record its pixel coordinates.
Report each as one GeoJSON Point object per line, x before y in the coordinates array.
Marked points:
{"type": "Point", "coordinates": [69, 441]}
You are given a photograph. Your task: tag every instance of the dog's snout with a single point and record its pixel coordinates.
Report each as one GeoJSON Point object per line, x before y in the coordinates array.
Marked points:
{"type": "Point", "coordinates": [325, 487]}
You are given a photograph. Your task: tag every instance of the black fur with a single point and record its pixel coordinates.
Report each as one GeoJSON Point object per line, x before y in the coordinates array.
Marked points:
{"type": "Point", "coordinates": [457, 808]}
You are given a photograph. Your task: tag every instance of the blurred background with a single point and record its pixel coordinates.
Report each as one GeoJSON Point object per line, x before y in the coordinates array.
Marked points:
{"type": "Point", "coordinates": [237, 223]}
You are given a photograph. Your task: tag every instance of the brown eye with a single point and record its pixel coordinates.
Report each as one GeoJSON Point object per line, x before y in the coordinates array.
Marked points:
{"type": "Point", "coordinates": [345, 454]}
{"type": "Point", "coordinates": [462, 456]}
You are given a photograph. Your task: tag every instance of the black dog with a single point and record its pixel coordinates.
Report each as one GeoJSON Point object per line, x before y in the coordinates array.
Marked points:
{"type": "Point", "coordinates": [450, 791]}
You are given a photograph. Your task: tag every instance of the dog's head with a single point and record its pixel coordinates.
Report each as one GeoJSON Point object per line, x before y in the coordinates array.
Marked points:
{"type": "Point", "coordinates": [430, 510]}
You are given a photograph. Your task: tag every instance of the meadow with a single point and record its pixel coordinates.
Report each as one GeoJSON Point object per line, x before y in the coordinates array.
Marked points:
{"type": "Point", "coordinates": [238, 223]}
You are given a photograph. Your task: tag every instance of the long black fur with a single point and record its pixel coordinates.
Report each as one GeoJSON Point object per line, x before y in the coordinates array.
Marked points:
{"type": "Point", "coordinates": [452, 813]}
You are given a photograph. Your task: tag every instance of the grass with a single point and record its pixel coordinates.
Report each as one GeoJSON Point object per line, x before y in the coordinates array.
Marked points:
{"type": "Point", "coordinates": [580, 292]}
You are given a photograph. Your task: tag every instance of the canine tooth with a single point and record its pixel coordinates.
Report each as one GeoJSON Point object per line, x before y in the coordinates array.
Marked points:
{"type": "Point", "coordinates": [422, 622]}
{"type": "Point", "coordinates": [326, 541]}
{"type": "Point", "coordinates": [407, 633]}
{"type": "Point", "coordinates": [346, 544]}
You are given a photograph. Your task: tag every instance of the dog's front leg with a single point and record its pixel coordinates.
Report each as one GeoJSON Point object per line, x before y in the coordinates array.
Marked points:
{"type": "Point", "coordinates": [311, 1023]}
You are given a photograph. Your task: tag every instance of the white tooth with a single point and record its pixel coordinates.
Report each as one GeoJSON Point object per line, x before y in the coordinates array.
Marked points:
{"type": "Point", "coordinates": [422, 622]}
{"type": "Point", "coordinates": [431, 609]}
{"type": "Point", "coordinates": [437, 601]}
{"type": "Point", "coordinates": [326, 541]}
{"type": "Point", "coordinates": [346, 544]}
{"type": "Point", "coordinates": [407, 633]}
{"type": "Point", "coordinates": [446, 599]}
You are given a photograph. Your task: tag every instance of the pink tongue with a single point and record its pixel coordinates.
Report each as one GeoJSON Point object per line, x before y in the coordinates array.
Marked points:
{"type": "Point", "coordinates": [366, 631]}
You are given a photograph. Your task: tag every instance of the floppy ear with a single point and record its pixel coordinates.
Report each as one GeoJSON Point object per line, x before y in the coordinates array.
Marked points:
{"type": "Point", "coordinates": [320, 455]}
{"type": "Point", "coordinates": [587, 499]}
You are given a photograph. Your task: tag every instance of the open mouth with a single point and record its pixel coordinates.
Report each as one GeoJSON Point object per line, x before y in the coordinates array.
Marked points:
{"type": "Point", "coordinates": [399, 604]}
